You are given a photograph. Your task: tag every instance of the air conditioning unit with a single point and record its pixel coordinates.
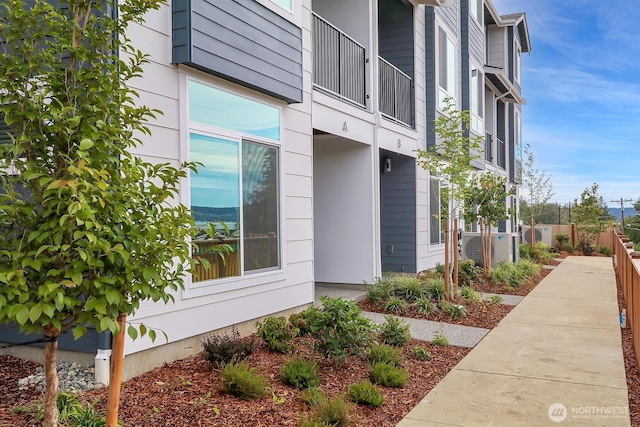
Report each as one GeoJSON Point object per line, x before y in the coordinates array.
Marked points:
{"type": "Point", "coordinates": [542, 234]}
{"type": "Point", "coordinates": [501, 248]}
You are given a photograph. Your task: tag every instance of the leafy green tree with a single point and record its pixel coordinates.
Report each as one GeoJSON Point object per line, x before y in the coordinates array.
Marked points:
{"type": "Point", "coordinates": [88, 229]}
{"type": "Point", "coordinates": [590, 215]}
{"type": "Point", "coordinates": [450, 160]}
{"type": "Point", "coordinates": [632, 224]}
{"type": "Point", "coordinates": [537, 186]}
{"type": "Point", "coordinates": [487, 204]}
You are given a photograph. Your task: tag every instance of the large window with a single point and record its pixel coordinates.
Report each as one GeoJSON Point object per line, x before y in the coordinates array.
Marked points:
{"type": "Point", "coordinates": [446, 67]}
{"type": "Point", "coordinates": [517, 63]}
{"type": "Point", "coordinates": [476, 90]}
{"type": "Point", "coordinates": [235, 191]}
{"type": "Point", "coordinates": [436, 228]}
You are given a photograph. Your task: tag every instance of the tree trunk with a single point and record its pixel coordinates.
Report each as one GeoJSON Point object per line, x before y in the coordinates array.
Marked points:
{"type": "Point", "coordinates": [483, 247]}
{"type": "Point", "coordinates": [533, 233]}
{"type": "Point", "coordinates": [447, 273]}
{"type": "Point", "coordinates": [51, 377]}
{"type": "Point", "coordinates": [489, 256]}
{"type": "Point", "coordinates": [115, 374]}
{"type": "Point", "coordinates": [455, 258]}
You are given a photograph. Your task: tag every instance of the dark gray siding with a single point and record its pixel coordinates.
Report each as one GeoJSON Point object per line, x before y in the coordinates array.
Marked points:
{"type": "Point", "coordinates": [241, 41]}
{"type": "Point", "coordinates": [511, 57]}
{"type": "Point", "coordinates": [512, 139]}
{"type": "Point", "coordinates": [396, 43]}
{"type": "Point", "coordinates": [449, 15]}
{"type": "Point", "coordinates": [398, 213]}
{"type": "Point", "coordinates": [430, 73]}
{"type": "Point", "coordinates": [88, 344]}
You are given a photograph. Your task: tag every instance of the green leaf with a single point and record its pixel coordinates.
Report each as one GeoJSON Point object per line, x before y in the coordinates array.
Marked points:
{"type": "Point", "coordinates": [152, 335]}
{"type": "Point", "coordinates": [22, 315]}
{"type": "Point", "coordinates": [47, 309]}
{"type": "Point", "coordinates": [143, 330]}
{"type": "Point", "coordinates": [113, 296]}
{"type": "Point", "coordinates": [132, 332]}
{"type": "Point", "coordinates": [35, 312]}
{"type": "Point", "coordinates": [86, 144]}
{"type": "Point", "coordinates": [76, 277]}
{"type": "Point", "coordinates": [79, 331]}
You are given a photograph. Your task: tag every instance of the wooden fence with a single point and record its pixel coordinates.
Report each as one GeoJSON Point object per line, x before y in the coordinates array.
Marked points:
{"type": "Point", "coordinates": [604, 239]}
{"type": "Point", "coordinates": [627, 264]}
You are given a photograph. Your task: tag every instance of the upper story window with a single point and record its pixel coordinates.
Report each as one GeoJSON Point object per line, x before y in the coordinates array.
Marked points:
{"type": "Point", "coordinates": [475, 9]}
{"type": "Point", "coordinates": [446, 67]}
{"type": "Point", "coordinates": [236, 190]}
{"type": "Point", "coordinates": [517, 63]}
{"type": "Point", "coordinates": [476, 96]}
{"type": "Point", "coordinates": [518, 135]}
{"type": "Point", "coordinates": [287, 4]}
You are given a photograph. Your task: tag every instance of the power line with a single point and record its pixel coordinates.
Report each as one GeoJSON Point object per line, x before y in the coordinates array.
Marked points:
{"type": "Point", "coordinates": [622, 202]}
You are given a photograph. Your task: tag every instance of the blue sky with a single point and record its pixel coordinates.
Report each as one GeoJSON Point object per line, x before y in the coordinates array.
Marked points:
{"type": "Point", "coordinates": [582, 86]}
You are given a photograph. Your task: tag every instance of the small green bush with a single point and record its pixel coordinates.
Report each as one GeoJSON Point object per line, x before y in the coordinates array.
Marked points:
{"type": "Point", "coordinates": [423, 306]}
{"type": "Point", "coordinates": [243, 382]}
{"type": "Point", "coordinates": [408, 288]}
{"type": "Point", "coordinates": [567, 248]}
{"type": "Point", "coordinates": [471, 295]}
{"type": "Point", "coordinates": [382, 353]}
{"type": "Point", "coordinates": [379, 291]}
{"type": "Point", "coordinates": [340, 329]}
{"type": "Point", "coordinates": [277, 333]}
{"type": "Point", "coordinates": [72, 412]}
{"type": "Point", "coordinates": [524, 251]}
{"type": "Point", "coordinates": [300, 374]}
{"type": "Point", "coordinates": [514, 274]}
{"type": "Point", "coordinates": [562, 239]}
{"type": "Point", "coordinates": [494, 300]}
{"type": "Point", "coordinates": [396, 305]}
{"type": "Point", "coordinates": [299, 321]}
{"type": "Point", "coordinates": [455, 311]}
{"type": "Point", "coordinates": [440, 339]}
{"type": "Point", "coordinates": [332, 412]}
{"type": "Point", "coordinates": [366, 393]}
{"type": "Point", "coordinates": [388, 376]}
{"type": "Point", "coordinates": [312, 396]}
{"type": "Point", "coordinates": [440, 269]}
{"type": "Point", "coordinates": [394, 331]}
{"type": "Point", "coordinates": [435, 288]}
{"type": "Point", "coordinates": [604, 250]}
{"type": "Point", "coordinates": [469, 273]}
{"type": "Point", "coordinates": [421, 352]}
{"type": "Point", "coordinates": [221, 349]}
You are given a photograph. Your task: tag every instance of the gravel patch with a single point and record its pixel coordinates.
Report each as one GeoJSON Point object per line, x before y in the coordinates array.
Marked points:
{"type": "Point", "coordinates": [73, 377]}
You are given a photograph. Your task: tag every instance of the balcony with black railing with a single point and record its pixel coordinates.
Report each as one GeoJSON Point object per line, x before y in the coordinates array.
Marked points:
{"type": "Point", "coordinates": [395, 93]}
{"type": "Point", "coordinates": [338, 63]}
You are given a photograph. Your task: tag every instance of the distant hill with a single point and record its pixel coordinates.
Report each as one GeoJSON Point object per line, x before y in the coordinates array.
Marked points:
{"type": "Point", "coordinates": [628, 212]}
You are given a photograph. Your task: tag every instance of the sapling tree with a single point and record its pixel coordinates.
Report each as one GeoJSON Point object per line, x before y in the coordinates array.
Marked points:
{"type": "Point", "coordinates": [487, 204]}
{"type": "Point", "coordinates": [450, 160]}
{"type": "Point", "coordinates": [538, 188]}
{"type": "Point", "coordinates": [590, 214]}
{"type": "Point", "coordinates": [88, 229]}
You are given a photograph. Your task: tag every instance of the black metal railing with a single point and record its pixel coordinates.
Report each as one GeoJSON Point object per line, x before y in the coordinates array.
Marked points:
{"type": "Point", "coordinates": [502, 154]}
{"type": "Point", "coordinates": [338, 62]}
{"type": "Point", "coordinates": [395, 92]}
{"type": "Point", "coordinates": [488, 147]}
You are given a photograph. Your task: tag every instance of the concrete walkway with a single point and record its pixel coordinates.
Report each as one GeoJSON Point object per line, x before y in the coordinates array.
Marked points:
{"type": "Point", "coordinates": [556, 359]}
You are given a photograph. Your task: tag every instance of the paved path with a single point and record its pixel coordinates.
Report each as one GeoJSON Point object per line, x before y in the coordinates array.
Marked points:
{"type": "Point", "coordinates": [556, 359]}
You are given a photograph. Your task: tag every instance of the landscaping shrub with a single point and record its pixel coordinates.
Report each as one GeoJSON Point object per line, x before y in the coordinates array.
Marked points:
{"type": "Point", "coordinates": [242, 381]}
{"type": "Point", "coordinates": [435, 288]}
{"type": "Point", "coordinates": [494, 300]}
{"type": "Point", "coordinates": [221, 349]}
{"type": "Point", "coordinates": [340, 329]}
{"type": "Point", "coordinates": [423, 306]}
{"type": "Point", "coordinates": [72, 412]}
{"type": "Point", "coordinates": [421, 353]}
{"type": "Point", "coordinates": [469, 273]}
{"type": "Point", "coordinates": [514, 274]}
{"type": "Point", "coordinates": [407, 287]}
{"type": "Point", "coordinates": [471, 295]}
{"type": "Point", "coordinates": [394, 331]}
{"type": "Point", "coordinates": [562, 239]}
{"type": "Point", "coordinates": [300, 374]}
{"type": "Point", "coordinates": [299, 321]}
{"type": "Point", "coordinates": [388, 376]}
{"type": "Point", "coordinates": [382, 353]}
{"type": "Point", "coordinates": [312, 396]}
{"type": "Point", "coordinates": [329, 412]}
{"type": "Point", "coordinates": [277, 333]}
{"type": "Point", "coordinates": [440, 339]}
{"type": "Point", "coordinates": [455, 311]}
{"type": "Point", "coordinates": [379, 291]}
{"type": "Point", "coordinates": [396, 305]}
{"type": "Point", "coordinates": [606, 251]}
{"type": "Point", "coordinates": [366, 393]}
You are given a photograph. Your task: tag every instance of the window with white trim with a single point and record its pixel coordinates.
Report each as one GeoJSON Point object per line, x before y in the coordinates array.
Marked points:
{"type": "Point", "coordinates": [517, 64]}
{"type": "Point", "coordinates": [518, 135]}
{"type": "Point", "coordinates": [475, 9]}
{"type": "Point", "coordinates": [476, 97]}
{"type": "Point", "coordinates": [446, 67]}
{"type": "Point", "coordinates": [436, 228]}
{"type": "Point", "coordinates": [235, 191]}
{"type": "Point", "coordinates": [286, 4]}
